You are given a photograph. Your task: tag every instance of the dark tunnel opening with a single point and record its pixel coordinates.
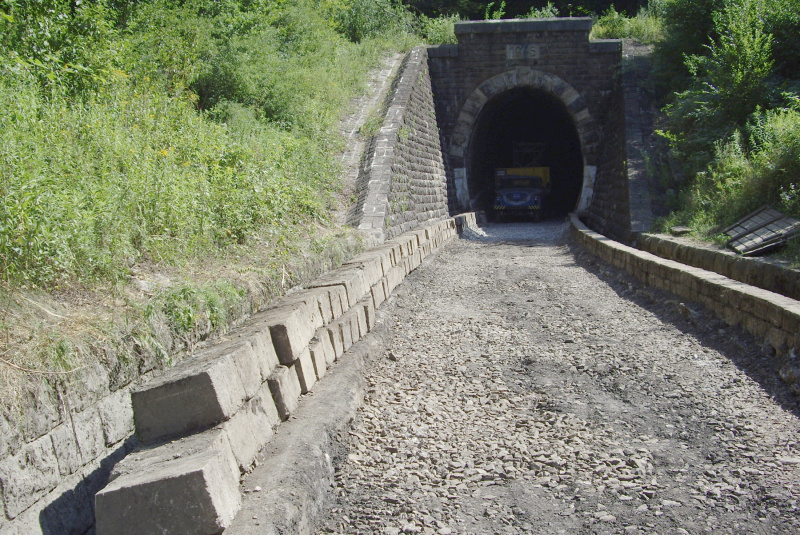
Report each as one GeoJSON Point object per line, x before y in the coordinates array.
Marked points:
{"type": "Point", "coordinates": [518, 118]}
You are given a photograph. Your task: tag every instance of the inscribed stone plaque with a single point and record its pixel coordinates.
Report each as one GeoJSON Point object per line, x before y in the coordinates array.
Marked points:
{"type": "Point", "coordinates": [525, 52]}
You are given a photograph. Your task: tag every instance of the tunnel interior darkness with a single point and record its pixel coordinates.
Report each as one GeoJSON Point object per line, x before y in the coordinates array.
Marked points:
{"type": "Point", "coordinates": [526, 115]}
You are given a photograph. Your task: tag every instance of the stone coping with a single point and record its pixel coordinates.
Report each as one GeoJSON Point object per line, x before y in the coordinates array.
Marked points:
{"type": "Point", "coordinates": [442, 51]}
{"type": "Point", "coordinates": [766, 315]}
{"type": "Point", "coordinates": [770, 276]}
{"type": "Point", "coordinates": [605, 45]}
{"type": "Point", "coordinates": [525, 25]}
{"type": "Point", "coordinates": [204, 422]}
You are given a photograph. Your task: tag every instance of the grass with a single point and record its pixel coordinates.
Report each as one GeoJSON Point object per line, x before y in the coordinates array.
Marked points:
{"type": "Point", "coordinates": [646, 26]}
{"type": "Point", "coordinates": [166, 171]}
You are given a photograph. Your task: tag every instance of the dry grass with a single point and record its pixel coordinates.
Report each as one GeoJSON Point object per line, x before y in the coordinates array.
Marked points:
{"type": "Point", "coordinates": [48, 339]}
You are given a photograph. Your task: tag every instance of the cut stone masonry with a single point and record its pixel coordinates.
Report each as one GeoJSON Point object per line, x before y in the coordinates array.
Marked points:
{"type": "Point", "coordinates": [221, 406]}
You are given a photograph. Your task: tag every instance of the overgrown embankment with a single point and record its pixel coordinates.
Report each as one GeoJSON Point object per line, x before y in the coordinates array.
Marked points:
{"type": "Point", "coordinates": [167, 166]}
{"type": "Point", "coordinates": [729, 70]}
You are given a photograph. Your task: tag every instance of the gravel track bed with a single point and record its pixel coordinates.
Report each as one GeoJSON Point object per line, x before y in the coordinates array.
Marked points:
{"type": "Point", "coordinates": [529, 389]}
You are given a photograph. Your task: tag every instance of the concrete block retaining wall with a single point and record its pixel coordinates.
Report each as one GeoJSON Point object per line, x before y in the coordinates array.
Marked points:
{"type": "Point", "coordinates": [202, 423]}
{"type": "Point", "coordinates": [50, 471]}
{"type": "Point", "coordinates": [402, 181]}
{"type": "Point", "coordinates": [766, 315]}
{"type": "Point", "coordinates": [772, 277]}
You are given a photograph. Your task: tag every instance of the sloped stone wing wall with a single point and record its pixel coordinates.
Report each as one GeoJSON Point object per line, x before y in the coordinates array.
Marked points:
{"type": "Point", "coordinates": [402, 181]}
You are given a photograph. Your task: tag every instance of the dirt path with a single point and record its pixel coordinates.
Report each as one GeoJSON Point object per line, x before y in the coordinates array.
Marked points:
{"type": "Point", "coordinates": [528, 390]}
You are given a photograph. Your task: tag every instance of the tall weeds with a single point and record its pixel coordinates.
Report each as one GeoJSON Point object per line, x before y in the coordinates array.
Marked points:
{"type": "Point", "coordinates": [733, 129]}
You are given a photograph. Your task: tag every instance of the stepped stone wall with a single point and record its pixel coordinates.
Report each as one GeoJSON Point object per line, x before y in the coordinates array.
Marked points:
{"type": "Point", "coordinates": [92, 460]}
{"type": "Point", "coordinates": [51, 468]}
{"type": "Point", "coordinates": [402, 180]}
{"type": "Point", "coordinates": [204, 422]}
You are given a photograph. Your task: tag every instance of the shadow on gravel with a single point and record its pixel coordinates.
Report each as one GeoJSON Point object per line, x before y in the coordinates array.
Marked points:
{"type": "Point", "coordinates": [691, 318]}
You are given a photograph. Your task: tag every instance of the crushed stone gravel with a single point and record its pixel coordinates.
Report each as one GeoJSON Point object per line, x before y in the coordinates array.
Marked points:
{"type": "Point", "coordinates": [530, 389]}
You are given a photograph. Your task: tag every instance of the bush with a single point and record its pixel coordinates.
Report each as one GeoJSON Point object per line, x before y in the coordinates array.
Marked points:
{"type": "Point", "coordinates": [438, 31]}
{"type": "Point", "coordinates": [547, 12]}
{"type": "Point", "coordinates": [729, 84]}
{"type": "Point", "coordinates": [755, 167]}
{"type": "Point", "coordinates": [69, 45]}
{"type": "Point", "coordinates": [362, 19]}
{"type": "Point", "coordinates": [646, 26]}
{"type": "Point", "coordinates": [221, 128]}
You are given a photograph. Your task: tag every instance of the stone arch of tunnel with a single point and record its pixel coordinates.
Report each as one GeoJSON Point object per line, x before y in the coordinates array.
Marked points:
{"type": "Point", "coordinates": [538, 108]}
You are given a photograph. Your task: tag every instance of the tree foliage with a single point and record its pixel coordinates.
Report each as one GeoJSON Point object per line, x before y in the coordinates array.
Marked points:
{"type": "Point", "coordinates": [733, 121]}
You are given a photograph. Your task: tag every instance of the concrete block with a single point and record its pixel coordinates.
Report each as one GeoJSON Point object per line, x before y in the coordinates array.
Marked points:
{"type": "Point", "coordinates": [378, 292]}
{"type": "Point", "coordinates": [351, 278]}
{"type": "Point", "coordinates": [65, 446]}
{"type": "Point", "coordinates": [252, 427]}
{"type": "Point", "coordinates": [28, 475]}
{"type": "Point", "coordinates": [257, 333]}
{"type": "Point", "coordinates": [243, 356]}
{"type": "Point", "coordinates": [285, 387]}
{"type": "Point", "coordinates": [370, 263]}
{"type": "Point", "coordinates": [395, 253]}
{"type": "Point", "coordinates": [407, 267]}
{"type": "Point", "coordinates": [324, 304]}
{"type": "Point", "coordinates": [421, 238]}
{"type": "Point", "coordinates": [399, 245]}
{"type": "Point", "coordinates": [116, 415]}
{"type": "Point", "coordinates": [335, 336]}
{"type": "Point", "coordinates": [396, 276]}
{"type": "Point", "coordinates": [291, 327]}
{"type": "Point", "coordinates": [369, 313]}
{"type": "Point", "coordinates": [361, 321]}
{"type": "Point", "coordinates": [315, 300]}
{"type": "Point", "coordinates": [386, 255]}
{"type": "Point", "coordinates": [196, 395]}
{"type": "Point", "coordinates": [242, 439]}
{"type": "Point", "coordinates": [306, 373]}
{"type": "Point", "coordinates": [264, 408]}
{"type": "Point", "coordinates": [323, 335]}
{"type": "Point", "coordinates": [338, 297]}
{"type": "Point", "coordinates": [345, 324]}
{"type": "Point", "coordinates": [416, 258]}
{"type": "Point", "coordinates": [318, 357]}
{"type": "Point", "coordinates": [89, 430]}
{"type": "Point", "coordinates": [323, 347]}
{"type": "Point", "coordinates": [187, 486]}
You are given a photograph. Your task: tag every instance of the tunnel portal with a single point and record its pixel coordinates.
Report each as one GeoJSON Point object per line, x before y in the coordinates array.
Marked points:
{"type": "Point", "coordinates": [533, 81]}
{"type": "Point", "coordinates": [523, 117]}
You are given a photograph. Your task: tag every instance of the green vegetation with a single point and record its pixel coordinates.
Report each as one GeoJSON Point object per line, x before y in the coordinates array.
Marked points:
{"type": "Point", "coordinates": [645, 26]}
{"type": "Point", "coordinates": [545, 12]}
{"type": "Point", "coordinates": [196, 138]}
{"type": "Point", "coordinates": [438, 30]}
{"type": "Point", "coordinates": [194, 125]}
{"type": "Point", "coordinates": [733, 115]}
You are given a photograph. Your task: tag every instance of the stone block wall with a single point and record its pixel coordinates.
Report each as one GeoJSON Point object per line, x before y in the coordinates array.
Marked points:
{"type": "Point", "coordinates": [753, 271]}
{"type": "Point", "coordinates": [609, 212]}
{"type": "Point", "coordinates": [205, 420]}
{"type": "Point", "coordinates": [402, 182]}
{"type": "Point", "coordinates": [766, 315]}
{"type": "Point", "coordinates": [51, 468]}
{"type": "Point", "coordinates": [227, 397]}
